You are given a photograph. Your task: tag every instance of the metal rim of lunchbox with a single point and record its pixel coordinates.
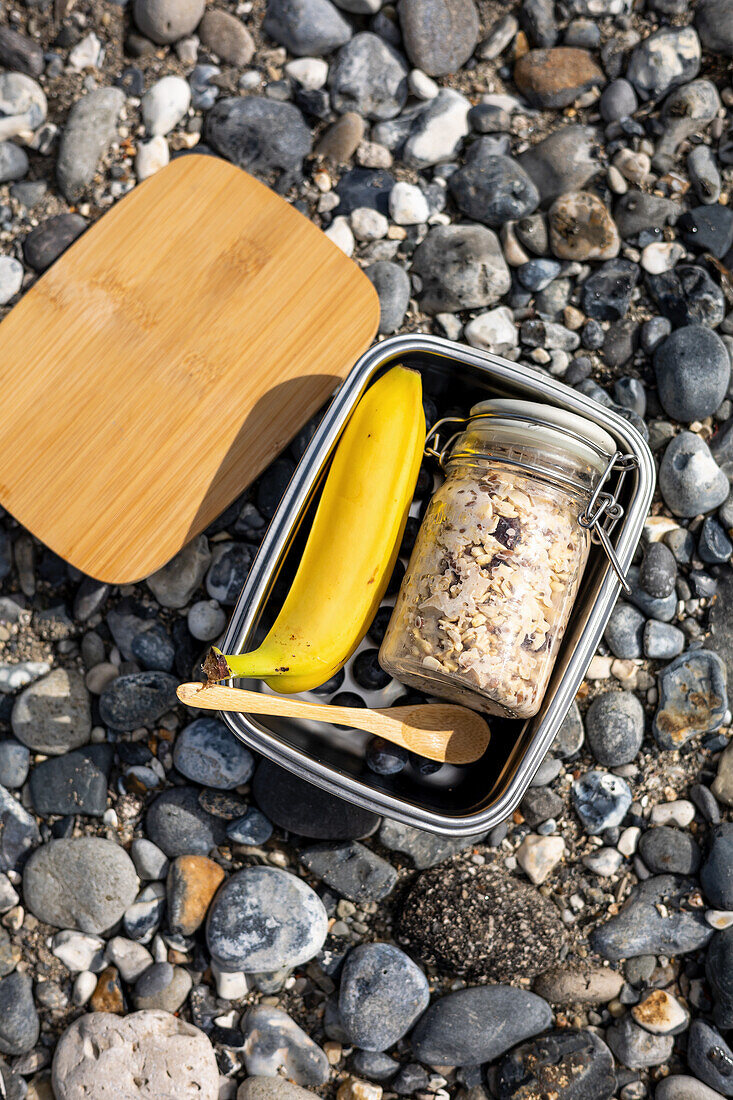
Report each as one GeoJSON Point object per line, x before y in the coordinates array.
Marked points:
{"type": "Point", "coordinates": [256, 588]}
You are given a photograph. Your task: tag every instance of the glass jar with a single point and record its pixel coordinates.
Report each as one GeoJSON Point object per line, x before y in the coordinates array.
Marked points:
{"type": "Point", "coordinates": [498, 559]}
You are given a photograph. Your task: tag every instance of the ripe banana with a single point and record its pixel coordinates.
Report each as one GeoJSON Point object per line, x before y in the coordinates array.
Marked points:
{"type": "Point", "coordinates": [352, 546]}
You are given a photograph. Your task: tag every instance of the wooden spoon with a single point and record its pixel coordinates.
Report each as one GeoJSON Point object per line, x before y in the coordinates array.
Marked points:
{"type": "Point", "coordinates": [438, 731]}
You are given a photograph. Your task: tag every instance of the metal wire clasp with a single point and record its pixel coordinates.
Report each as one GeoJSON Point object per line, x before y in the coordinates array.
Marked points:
{"type": "Point", "coordinates": [603, 510]}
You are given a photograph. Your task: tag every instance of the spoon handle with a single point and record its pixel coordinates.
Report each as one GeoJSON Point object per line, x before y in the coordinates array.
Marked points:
{"type": "Point", "coordinates": [433, 744]}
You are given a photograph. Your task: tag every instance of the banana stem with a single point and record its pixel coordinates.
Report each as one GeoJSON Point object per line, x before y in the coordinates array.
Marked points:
{"type": "Point", "coordinates": [225, 666]}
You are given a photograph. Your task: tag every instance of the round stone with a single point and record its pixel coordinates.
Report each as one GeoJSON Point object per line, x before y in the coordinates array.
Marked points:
{"type": "Point", "coordinates": [75, 783]}
{"type": "Point", "coordinates": [208, 753]}
{"type": "Point", "coordinates": [265, 919]}
{"type": "Point", "coordinates": [252, 828]}
{"type": "Point", "coordinates": [90, 128]}
{"type": "Point", "coordinates": [144, 1056]}
{"type": "Point", "coordinates": [84, 883]}
{"type": "Point", "coordinates": [479, 922]}
{"type": "Point", "coordinates": [179, 826]}
{"type": "Point", "coordinates": [581, 228]}
{"type": "Point", "coordinates": [658, 571]}
{"type": "Point", "coordinates": [477, 1025]}
{"type": "Point", "coordinates": [614, 727]}
{"type": "Point", "coordinates": [368, 76]}
{"type": "Point", "coordinates": [693, 372]}
{"type": "Point", "coordinates": [714, 20]}
{"type": "Point", "coordinates": [669, 851]}
{"type": "Point", "coordinates": [684, 1088]}
{"type": "Point", "coordinates": [563, 985]}
{"type": "Point", "coordinates": [206, 620]}
{"type": "Point", "coordinates": [382, 994]}
{"type": "Point", "coordinates": [166, 21]}
{"type": "Point", "coordinates": [461, 267]}
{"type": "Point", "coordinates": [14, 763]}
{"type": "Point", "coordinates": [556, 77]}
{"type": "Point", "coordinates": [618, 101]}
{"type": "Point", "coordinates": [271, 1088]}
{"type": "Point", "coordinates": [227, 37]}
{"type": "Point", "coordinates": [689, 477]}
{"type": "Point", "coordinates": [565, 1054]}
{"type": "Point", "coordinates": [624, 630]}
{"type": "Point", "coordinates": [192, 883]}
{"type": "Point", "coordinates": [19, 1023]}
{"type": "Point", "coordinates": [668, 57]}
{"type": "Point", "coordinates": [439, 36]}
{"type": "Point", "coordinates": [307, 28]}
{"type": "Point", "coordinates": [709, 1056]}
{"type": "Point", "coordinates": [267, 138]}
{"type": "Point", "coordinates": [52, 715]}
{"type": "Point", "coordinates": [662, 641]}
{"type": "Point", "coordinates": [692, 698]}
{"type": "Point", "coordinates": [392, 284]}
{"type": "Point", "coordinates": [637, 1048]}
{"type": "Point", "coordinates": [138, 699]}
{"type": "Point", "coordinates": [274, 1045]}
{"type": "Point", "coordinates": [492, 189]}
{"type": "Point", "coordinates": [601, 800]}
{"type": "Point", "coordinates": [11, 278]}
{"type": "Point", "coordinates": [687, 295]}
{"type": "Point", "coordinates": [162, 986]}
{"type": "Point", "coordinates": [716, 875]}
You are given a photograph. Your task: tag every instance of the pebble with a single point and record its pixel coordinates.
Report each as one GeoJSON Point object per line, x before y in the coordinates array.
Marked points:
{"type": "Point", "coordinates": [461, 267]}
{"type": "Point", "coordinates": [392, 285]}
{"type": "Point", "coordinates": [252, 828]}
{"type": "Point", "coordinates": [653, 922]}
{"type": "Point", "coordinates": [192, 883]}
{"type": "Point", "coordinates": [383, 993]}
{"type": "Point", "coordinates": [601, 801]}
{"type": "Point", "coordinates": [79, 951]}
{"type": "Point", "coordinates": [684, 1088]}
{"type": "Point", "coordinates": [263, 919]}
{"type": "Point", "coordinates": [492, 189]}
{"type": "Point", "coordinates": [635, 1047]}
{"type": "Point", "coordinates": [493, 331]}
{"type": "Point", "coordinates": [227, 37]}
{"type": "Point", "coordinates": [668, 57]}
{"type": "Point", "coordinates": [660, 1013]}
{"type": "Point", "coordinates": [177, 824]}
{"type": "Point", "coordinates": [614, 726]}
{"type": "Point", "coordinates": [306, 27]}
{"type": "Point", "coordinates": [138, 699]}
{"type": "Point", "coordinates": [151, 156]}
{"type": "Point", "coordinates": [688, 296]}
{"type": "Point", "coordinates": [571, 734]}
{"type": "Point", "coordinates": [90, 128]}
{"type": "Point", "coordinates": [702, 168]}
{"type": "Point", "coordinates": [20, 53]}
{"type": "Point", "coordinates": [439, 36]}
{"type": "Point", "coordinates": [18, 831]}
{"type": "Point", "coordinates": [339, 143]}
{"type": "Point", "coordinates": [716, 874]}
{"type": "Point", "coordinates": [150, 862]}
{"type": "Point", "coordinates": [539, 855]}
{"type": "Point", "coordinates": [50, 239]}
{"type": "Point", "coordinates": [624, 631]}
{"type": "Point", "coordinates": [52, 715]}
{"type": "Point", "coordinates": [589, 986]}
{"type": "Point", "coordinates": [85, 883]}
{"type": "Point", "coordinates": [164, 21]}
{"type": "Point", "coordinates": [693, 368]}
{"type": "Point", "coordinates": [14, 764]}
{"type": "Point", "coordinates": [207, 752]}
{"type": "Point", "coordinates": [351, 869]}
{"type": "Point", "coordinates": [142, 1055]}
{"type": "Point", "coordinates": [14, 162]}
{"type": "Point", "coordinates": [556, 77]}
{"type": "Point", "coordinates": [423, 849]}
{"type": "Point", "coordinates": [368, 76]}
{"type": "Point", "coordinates": [566, 1055]}
{"type": "Point", "coordinates": [709, 1057]}
{"type": "Point", "coordinates": [692, 698]}
{"type": "Point", "coordinates": [581, 228]}
{"type": "Point", "coordinates": [268, 139]}
{"type": "Point", "coordinates": [274, 1044]}
{"type": "Point", "coordinates": [438, 130]}
{"type": "Point", "coordinates": [477, 1025]}
{"type": "Point", "coordinates": [407, 205]}
{"type": "Point", "coordinates": [230, 562]}
{"type": "Point", "coordinates": [301, 808]}
{"type": "Point", "coordinates": [75, 783]}
{"type": "Point", "coordinates": [689, 478]}
{"type": "Point", "coordinates": [606, 294]}
{"type": "Point", "coordinates": [271, 1088]}
{"type": "Point", "coordinates": [23, 106]}
{"type": "Point", "coordinates": [11, 278]}
{"type": "Point", "coordinates": [479, 922]}
{"type": "Point", "coordinates": [669, 851]}
{"type": "Point", "coordinates": [712, 18]}
{"type": "Point", "coordinates": [19, 1023]}
{"type": "Point", "coordinates": [722, 787]}
{"type": "Point", "coordinates": [130, 959]}
{"type": "Point", "coordinates": [718, 963]}
{"type": "Point", "coordinates": [162, 986]}
{"type": "Point", "coordinates": [561, 162]}
{"type": "Point", "coordinates": [603, 862]}
{"type": "Point", "coordinates": [206, 620]}
{"type": "Point", "coordinates": [707, 229]}
{"type": "Point", "coordinates": [175, 583]}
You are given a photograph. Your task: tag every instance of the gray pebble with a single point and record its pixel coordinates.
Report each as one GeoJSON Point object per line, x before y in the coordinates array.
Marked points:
{"type": "Point", "coordinates": [392, 284]}
{"type": "Point", "coordinates": [252, 828]}
{"type": "Point", "coordinates": [563, 161]}
{"type": "Point", "coordinates": [13, 162]}
{"type": "Point", "coordinates": [662, 641]}
{"type": "Point", "coordinates": [14, 763]}
{"type": "Point", "coordinates": [174, 585]}
{"type": "Point", "coordinates": [692, 698]}
{"type": "Point", "coordinates": [653, 920]}
{"type": "Point", "coordinates": [492, 189]}
{"type": "Point", "coordinates": [163, 987]}
{"type": "Point", "coordinates": [714, 21]}
{"type": "Point", "coordinates": [350, 869]}
{"type": "Point", "coordinates": [636, 1048]}
{"type": "Point", "coordinates": [89, 130]}
{"type": "Point", "coordinates": [618, 100]}
{"type": "Point", "coordinates": [569, 738]}
{"type": "Point", "coordinates": [266, 138]}
{"type": "Point", "coordinates": [18, 831]}
{"type": "Point", "coordinates": [166, 21]}
{"type": "Point", "coordinates": [179, 826]}
{"type": "Point", "coordinates": [658, 571]}
{"type": "Point", "coordinates": [150, 862]}
{"type": "Point", "coordinates": [52, 715]}
{"type": "Point", "coordinates": [274, 1045]}
{"type": "Point", "coordinates": [138, 699]}
{"type": "Point", "coordinates": [439, 35]}
{"type": "Point", "coordinates": [382, 994]}
{"type": "Point", "coordinates": [368, 76]}
{"type": "Point", "coordinates": [716, 875]}
{"type": "Point", "coordinates": [702, 168]}
{"type": "Point", "coordinates": [690, 481]}
{"type": "Point", "coordinates": [669, 851]}
{"type": "Point", "coordinates": [709, 1057]}
{"type": "Point", "coordinates": [461, 267]}
{"type": "Point", "coordinates": [207, 752]}
{"type": "Point", "coordinates": [693, 368]}
{"type": "Point", "coordinates": [601, 800]}
{"type": "Point", "coordinates": [668, 57]}
{"type": "Point", "coordinates": [19, 1023]}
{"type": "Point", "coordinates": [614, 727]}
{"type": "Point", "coordinates": [85, 883]}
{"type": "Point", "coordinates": [47, 241]}
{"type": "Point", "coordinates": [680, 1087]}
{"type": "Point", "coordinates": [307, 28]}
{"type": "Point", "coordinates": [424, 849]}
{"type": "Point", "coordinates": [719, 972]}
{"type": "Point", "coordinates": [75, 783]}
{"type": "Point", "coordinates": [624, 630]}
{"type": "Point", "coordinates": [21, 53]}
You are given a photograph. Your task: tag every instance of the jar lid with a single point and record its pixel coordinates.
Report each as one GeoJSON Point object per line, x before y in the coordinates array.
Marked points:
{"type": "Point", "coordinates": [577, 435]}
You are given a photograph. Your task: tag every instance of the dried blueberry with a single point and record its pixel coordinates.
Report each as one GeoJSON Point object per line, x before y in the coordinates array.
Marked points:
{"type": "Point", "coordinates": [379, 625]}
{"type": "Point", "coordinates": [396, 579]}
{"type": "Point", "coordinates": [346, 699]}
{"type": "Point", "coordinates": [384, 758]}
{"type": "Point", "coordinates": [423, 766]}
{"type": "Point", "coordinates": [331, 685]}
{"type": "Point", "coordinates": [368, 672]}
{"type": "Point", "coordinates": [508, 532]}
{"type": "Point", "coordinates": [408, 539]}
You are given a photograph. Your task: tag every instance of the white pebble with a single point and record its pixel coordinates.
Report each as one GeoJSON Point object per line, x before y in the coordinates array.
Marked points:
{"type": "Point", "coordinates": [13, 677]}
{"type": "Point", "coordinates": [660, 1013]}
{"type": "Point", "coordinates": [165, 104]}
{"type": "Point", "coordinates": [656, 527]}
{"type": "Point", "coordinates": [310, 72]}
{"type": "Point", "coordinates": [450, 325]}
{"type": "Point", "coordinates": [628, 840]}
{"type": "Point", "coordinates": [539, 855]}
{"type": "Point", "coordinates": [130, 957]}
{"type": "Point", "coordinates": [86, 54]}
{"type": "Point", "coordinates": [661, 256]}
{"type": "Point", "coordinates": [680, 813]}
{"type": "Point", "coordinates": [421, 85]}
{"type": "Point", "coordinates": [719, 918]}
{"type": "Point", "coordinates": [79, 950]}
{"type": "Point", "coordinates": [187, 49]}
{"type": "Point", "coordinates": [616, 181]}
{"type": "Point", "coordinates": [633, 166]}
{"type": "Point", "coordinates": [230, 985]}
{"type": "Point", "coordinates": [339, 231]}
{"type": "Point", "coordinates": [151, 157]}
{"type": "Point", "coordinates": [109, 817]}
{"type": "Point", "coordinates": [84, 985]}
{"type": "Point", "coordinates": [494, 331]}
{"type": "Point", "coordinates": [100, 677]}
{"type": "Point", "coordinates": [159, 949]}
{"type": "Point", "coordinates": [250, 80]}
{"type": "Point", "coordinates": [368, 224]}
{"type": "Point", "coordinates": [599, 668]}
{"type": "Point", "coordinates": [407, 204]}
{"type": "Point", "coordinates": [11, 278]}
{"type": "Point", "coordinates": [206, 620]}
{"type": "Point", "coordinates": [603, 862]}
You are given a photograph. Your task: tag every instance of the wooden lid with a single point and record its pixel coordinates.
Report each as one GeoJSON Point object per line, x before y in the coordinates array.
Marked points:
{"type": "Point", "coordinates": [164, 360]}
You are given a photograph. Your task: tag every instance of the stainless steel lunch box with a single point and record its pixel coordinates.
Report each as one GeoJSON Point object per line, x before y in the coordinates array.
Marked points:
{"type": "Point", "coordinates": [459, 801]}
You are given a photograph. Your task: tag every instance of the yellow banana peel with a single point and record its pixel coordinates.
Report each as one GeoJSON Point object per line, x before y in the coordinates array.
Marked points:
{"type": "Point", "coordinates": [352, 546]}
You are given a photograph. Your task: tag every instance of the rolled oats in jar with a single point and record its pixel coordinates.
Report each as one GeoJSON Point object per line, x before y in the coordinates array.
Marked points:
{"type": "Point", "coordinates": [498, 559]}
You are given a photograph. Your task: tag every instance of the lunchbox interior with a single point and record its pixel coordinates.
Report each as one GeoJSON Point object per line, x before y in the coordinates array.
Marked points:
{"type": "Point", "coordinates": [452, 792]}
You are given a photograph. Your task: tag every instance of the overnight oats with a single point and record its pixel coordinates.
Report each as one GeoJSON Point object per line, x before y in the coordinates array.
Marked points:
{"type": "Point", "coordinates": [498, 559]}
